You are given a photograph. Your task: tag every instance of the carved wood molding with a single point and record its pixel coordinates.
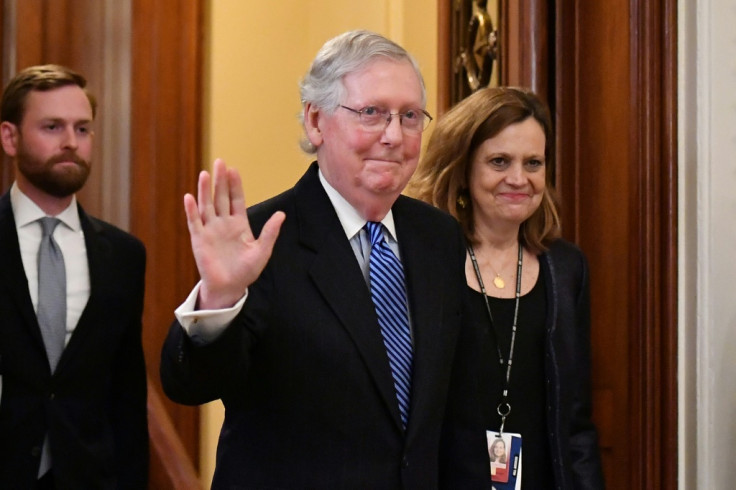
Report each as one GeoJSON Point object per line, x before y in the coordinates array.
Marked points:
{"type": "Point", "coordinates": [653, 247]}
{"type": "Point", "coordinates": [622, 111]}
{"type": "Point", "coordinates": [469, 49]}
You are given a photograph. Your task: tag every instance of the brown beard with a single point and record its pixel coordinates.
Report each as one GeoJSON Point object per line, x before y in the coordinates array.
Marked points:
{"type": "Point", "coordinates": [47, 178]}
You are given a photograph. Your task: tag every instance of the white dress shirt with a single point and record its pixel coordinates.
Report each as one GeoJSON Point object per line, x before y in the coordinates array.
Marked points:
{"type": "Point", "coordinates": [68, 234]}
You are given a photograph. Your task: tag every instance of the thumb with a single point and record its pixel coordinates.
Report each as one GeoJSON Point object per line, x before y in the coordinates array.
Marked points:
{"type": "Point", "coordinates": [270, 231]}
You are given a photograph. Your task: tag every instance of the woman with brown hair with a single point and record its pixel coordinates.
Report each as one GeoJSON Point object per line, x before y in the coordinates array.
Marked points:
{"type": "Point", "coordinates": [490, 164]}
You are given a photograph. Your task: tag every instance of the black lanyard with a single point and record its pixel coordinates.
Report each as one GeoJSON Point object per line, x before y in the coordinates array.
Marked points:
{"type": "Point", "coordinates": [504, 408]}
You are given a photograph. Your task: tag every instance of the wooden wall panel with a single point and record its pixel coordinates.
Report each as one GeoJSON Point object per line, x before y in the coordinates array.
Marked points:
{"type": "Point", "coordinates": [526, 48]}
{"type": "Point", "coordinates": [594, 183]}
{"type": "Point", "coordinates": [158, 154]}
{"type": "Point", "coordinates": [44, 31]}
{"type": "Point", "coordinates": [166, 156]}
{"type": "Point", "coordinates": [31, 36]}
{"type": "Point", "coordinates": [615, 90]}
{"type": "Point", "coordinates": [608, 70]}
{"type": "Point", "coordinates": [445, 57]}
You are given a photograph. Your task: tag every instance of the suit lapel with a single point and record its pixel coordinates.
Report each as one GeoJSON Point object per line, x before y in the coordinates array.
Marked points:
{"type": "Point", "coordinates": [337, 276]}
{"type": "Point", "coordinates": [420, 257]}
{"type": "Point", "coordinates": [12, 275]}
{"type": "Point", "coordinates": [98, 249]}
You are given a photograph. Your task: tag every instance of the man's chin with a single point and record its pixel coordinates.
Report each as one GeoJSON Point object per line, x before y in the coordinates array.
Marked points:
{"type": "Point", "coordinates": [61, 191]}
{"type": "Point", "coordinates": [388, 184]}
{"type": "Point", "coordinates": [60, 185]}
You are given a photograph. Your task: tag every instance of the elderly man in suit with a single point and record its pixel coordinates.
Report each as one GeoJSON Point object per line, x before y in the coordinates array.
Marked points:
{"type": "Point", "coordinates": [345, 364]}
{"type": "Point", "coordinates": [73, 408]}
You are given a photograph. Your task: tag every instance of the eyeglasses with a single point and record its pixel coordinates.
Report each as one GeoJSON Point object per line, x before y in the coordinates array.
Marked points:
{"type": "Point", "coordinates": [373, 118]}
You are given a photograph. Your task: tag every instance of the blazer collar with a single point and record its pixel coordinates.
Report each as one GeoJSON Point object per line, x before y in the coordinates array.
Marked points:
{"type": "Point", "coordinates": [12, 274]}
{"type": "Point", "coordinates": [337, 276]}
{"type": "Point", "coordinates": [421, 253]}
{"type": "Point", "coordinates": [13, 277]}
{"type": "Point", "coordinates": [99, 253]}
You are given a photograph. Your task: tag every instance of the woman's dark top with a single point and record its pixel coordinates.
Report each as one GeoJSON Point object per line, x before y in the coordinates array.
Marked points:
{"type": "Point", "coordinates": [527, 393]}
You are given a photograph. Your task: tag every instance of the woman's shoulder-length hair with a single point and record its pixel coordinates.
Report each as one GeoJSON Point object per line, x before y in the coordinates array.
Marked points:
{"type": "Point", "coordinates": [442, 175]}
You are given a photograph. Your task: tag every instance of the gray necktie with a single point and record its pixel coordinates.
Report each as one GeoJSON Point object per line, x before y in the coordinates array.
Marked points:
{"type": "Point", "coordinates": [51, 311]}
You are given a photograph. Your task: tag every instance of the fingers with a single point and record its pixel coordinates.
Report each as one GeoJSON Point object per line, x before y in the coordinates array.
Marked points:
{"type": "Point", "coordinates": [222, 190]}
{"type": "Point", "coordinates": [226, 198]}
{"type": "Point", "coordinates": [204, 197]}
{"type": "Point", "coordinates": [219, 194]}
{"type": "Point", "coordinates": [194, 221]}
{"type": "Point", "coordinates": [237, 198]}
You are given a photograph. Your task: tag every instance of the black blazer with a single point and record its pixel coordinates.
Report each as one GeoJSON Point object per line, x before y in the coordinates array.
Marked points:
{"type": "Point", "coordinates": [304, 375]}
{"type": "Point", "coordinates": [94, 405]}
{"type": "Point", "coordinates": [573, 437]}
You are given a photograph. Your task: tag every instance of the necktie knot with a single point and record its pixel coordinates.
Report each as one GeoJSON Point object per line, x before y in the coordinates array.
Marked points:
{"type": "Point", "coordinates": [375, 232]}
{"type": "Point", "coordinates": [48, 225]}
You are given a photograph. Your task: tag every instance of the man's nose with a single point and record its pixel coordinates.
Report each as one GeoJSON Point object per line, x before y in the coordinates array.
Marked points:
{"type": "Point", "coordinates": [392, 133]}
{"type": "Point", "coordinates": [70, 138]}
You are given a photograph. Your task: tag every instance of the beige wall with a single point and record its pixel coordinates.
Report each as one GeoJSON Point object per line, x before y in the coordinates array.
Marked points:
{"type": "Point", "coordinates": [706, 182]}
{"type": "Point", "coordinates": [256, 53]}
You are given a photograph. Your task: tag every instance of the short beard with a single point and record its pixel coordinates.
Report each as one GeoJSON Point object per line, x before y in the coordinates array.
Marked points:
{"type": "Point", "coordinates": [45, 177]}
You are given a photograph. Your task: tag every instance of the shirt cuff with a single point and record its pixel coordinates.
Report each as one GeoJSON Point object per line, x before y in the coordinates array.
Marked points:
{"type": "Point", "coordinates": [204, 326]}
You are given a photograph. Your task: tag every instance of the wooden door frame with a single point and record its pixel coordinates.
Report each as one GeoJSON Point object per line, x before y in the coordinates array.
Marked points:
{"type": "Point", "coordinates": [654, 248]}
{"type": "Point", "coordinates": [652, 243]}
{"type": "Point", "coordinates": [651, 295]}
{"type": "Point", "coordinates": [166, 155]}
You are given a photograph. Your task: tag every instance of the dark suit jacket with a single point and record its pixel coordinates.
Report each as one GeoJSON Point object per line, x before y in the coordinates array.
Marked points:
{"type": "Point", "coordinates": [304, 375]}
{"type": "Point", "coordinates": [94, 405]}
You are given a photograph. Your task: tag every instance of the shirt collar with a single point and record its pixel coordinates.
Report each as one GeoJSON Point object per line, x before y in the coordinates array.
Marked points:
{"type": "Point", "coordinates": [349, 217]}
{"type": "Point", "coordinates": [25, 211]}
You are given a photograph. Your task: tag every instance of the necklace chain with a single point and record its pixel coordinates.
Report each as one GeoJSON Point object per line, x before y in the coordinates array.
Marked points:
{"type": "Point", "coordinates": [504, 408]}
{"type": "Point", "coordinates": [498, 281]}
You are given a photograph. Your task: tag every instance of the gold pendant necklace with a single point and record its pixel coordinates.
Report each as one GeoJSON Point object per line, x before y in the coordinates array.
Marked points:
{"type": "Point", "coordinates": [498, 281]}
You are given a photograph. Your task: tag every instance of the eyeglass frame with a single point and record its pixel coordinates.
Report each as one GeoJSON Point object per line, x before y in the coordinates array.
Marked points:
{"type": "Point", "coordinates": [389, 116]}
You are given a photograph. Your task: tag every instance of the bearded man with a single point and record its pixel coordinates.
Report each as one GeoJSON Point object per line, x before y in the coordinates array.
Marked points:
{"type": "Point", "coordinates": [73, 401]}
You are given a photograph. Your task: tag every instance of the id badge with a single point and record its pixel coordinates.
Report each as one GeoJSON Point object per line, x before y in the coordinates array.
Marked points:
{"type": "Point", "coordinates": [504, 450]}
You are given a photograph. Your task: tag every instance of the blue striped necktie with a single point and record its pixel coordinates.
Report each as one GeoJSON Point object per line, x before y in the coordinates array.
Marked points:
{"type": "Point", "coordinates": [389, 297]}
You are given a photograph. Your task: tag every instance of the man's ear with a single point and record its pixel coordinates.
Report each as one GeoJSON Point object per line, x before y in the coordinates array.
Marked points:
{"type": "Point", "coordinates": [312, 118]}
{"type": "Point", "coordinates": [9, 138]}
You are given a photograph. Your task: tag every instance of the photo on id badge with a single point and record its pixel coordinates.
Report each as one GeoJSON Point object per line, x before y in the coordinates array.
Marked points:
{"type": "Point", "coordinates": [504, 450]}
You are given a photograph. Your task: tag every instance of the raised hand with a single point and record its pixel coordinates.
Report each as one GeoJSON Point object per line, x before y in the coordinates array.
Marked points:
{"type": "Point", "coordinates": [228, 257]}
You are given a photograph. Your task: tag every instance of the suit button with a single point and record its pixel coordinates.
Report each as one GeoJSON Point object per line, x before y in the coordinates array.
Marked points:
{"type": "Point", "coordinates": [52, 396]}
{"type": "Point", "coordinates": [36, 451]}
{"type": "Point", "coordinates": [404, 462]}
